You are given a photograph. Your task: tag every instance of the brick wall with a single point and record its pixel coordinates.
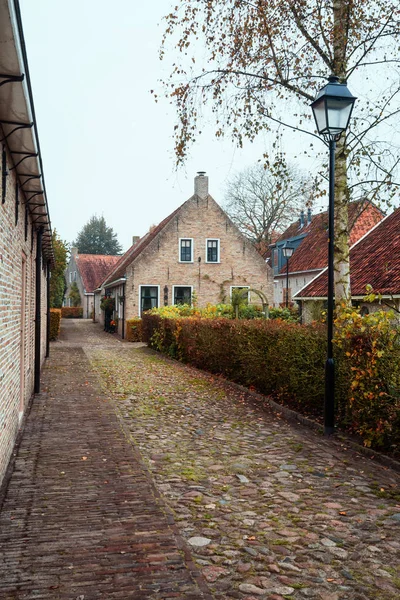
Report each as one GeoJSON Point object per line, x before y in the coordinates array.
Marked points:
{"type": "Point", "coordinates": [198, 219]}
{"type": "Point", "coordinates": [17, 318]}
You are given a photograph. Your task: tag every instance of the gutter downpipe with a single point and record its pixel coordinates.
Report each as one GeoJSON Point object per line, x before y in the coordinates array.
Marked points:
{"type": "Point", "coordinates": [48, 311]}
{"type": "Point", "coordinates": [38, 294]}
{"type": "Point", "coordinates": [123, 312]}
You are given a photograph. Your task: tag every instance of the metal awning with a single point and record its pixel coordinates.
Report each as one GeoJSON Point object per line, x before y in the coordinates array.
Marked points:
{"type": "Point", "coordinates": [18, 128]}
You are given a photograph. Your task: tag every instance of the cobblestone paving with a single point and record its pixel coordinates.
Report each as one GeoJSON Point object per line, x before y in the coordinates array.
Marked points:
{"type": "Point", "coordinates": [81, 519]}
{"type": "Point", "coordinates": [270, 510]}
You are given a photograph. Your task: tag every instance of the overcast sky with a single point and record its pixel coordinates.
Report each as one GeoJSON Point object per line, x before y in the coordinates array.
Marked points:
{"type": "Point", "coordinates": [107, 147]}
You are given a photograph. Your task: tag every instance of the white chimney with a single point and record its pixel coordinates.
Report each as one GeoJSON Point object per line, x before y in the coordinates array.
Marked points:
{"type": "Point", "coordinates": [135, 238]}
{"type": "Point", "coordinates": [74, 251]}
{"type": "Point", "coordinates": [201, 184]}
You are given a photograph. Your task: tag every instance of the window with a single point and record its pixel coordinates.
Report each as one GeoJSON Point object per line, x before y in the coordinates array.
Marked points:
{"type": "Point", "coordinates": [70, 276]}
{"type": "Point", "coordinates": [148, 297]}
{"type": "Point", "coordinates": [212, 255]}
{"type": "Point", "coordinates": [74, 275]}
{"type": "Point", "coordinates": [182, 294]}
{"type": "Point", "coordinates": [186, 250]}
{"type": "Point", "coordinates": [243, 288]}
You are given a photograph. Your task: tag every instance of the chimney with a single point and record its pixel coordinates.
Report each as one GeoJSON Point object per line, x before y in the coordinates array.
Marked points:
{"type": "Point", "coordinates": [309, 216]}
{"type": "Point", "coordinates": [302, 219]}
{"type": "Point", "coordinates": [201, 184]}
{"type": "Point", "coordinates": [74, 251]}
{"type": "Point", "coordinates": [135, 238]}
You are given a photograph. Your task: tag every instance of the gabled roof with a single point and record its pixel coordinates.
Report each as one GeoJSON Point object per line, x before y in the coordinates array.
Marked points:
{"type": "Point", "coordinates": [312, 253]}
{"type": "Point", "coordinates": [119, 269]}
{"type": "Point", "coordinates": [374, 260]}
{"type": "Point", "coordinates": [94, 268]}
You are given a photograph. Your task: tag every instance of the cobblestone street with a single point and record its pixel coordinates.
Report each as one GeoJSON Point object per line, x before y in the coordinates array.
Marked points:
{"type": "Point", "coordinates": [139, 477]}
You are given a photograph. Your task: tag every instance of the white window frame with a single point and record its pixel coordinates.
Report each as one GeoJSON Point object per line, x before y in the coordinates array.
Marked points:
{"type": "Point", "coordinates": [242, 287]}
{"type": "Point", "coordinates": [178, 286]}
{"type": "Point", "coordinates": [140, 295]}
{"type": "Point", "coordinates": [214, 262]}
{"type": "Point", "coordinates": [70, 276]}
{"type": "Point", "coordinates": [74, 275]}
{"type": "Point", "coordinates": [191, 248]}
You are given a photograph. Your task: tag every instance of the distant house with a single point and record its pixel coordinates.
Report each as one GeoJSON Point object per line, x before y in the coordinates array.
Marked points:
{"type": "Point", "coordinates": [309, 236]}
{"type": "Point", "coordinates": [374, 261]}
{"type": "Point", "coordinates": [87, 271]}
{"type": "Point", "coordinates": [196, 252]}
{"type": "Point", "coordinates": [26, 254]}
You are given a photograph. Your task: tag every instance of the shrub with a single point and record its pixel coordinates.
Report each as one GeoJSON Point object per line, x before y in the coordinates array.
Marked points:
{"type": "Point", "coordinates": [55, 323]}
{"type": "Point", "coordinates": [72, 312]}
{"type": "Point", "coordinates": [107, 303]}
{"type": "Point", "coordinates": [368, 376]}
{"type": "Point", "coordinates": [286, 314]}
{"type": "Point", "coordinates": [133, 330]}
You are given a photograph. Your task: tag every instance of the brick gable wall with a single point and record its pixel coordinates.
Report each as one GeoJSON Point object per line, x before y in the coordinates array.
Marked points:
{"type": "Point", "coordinates": [158, 264]}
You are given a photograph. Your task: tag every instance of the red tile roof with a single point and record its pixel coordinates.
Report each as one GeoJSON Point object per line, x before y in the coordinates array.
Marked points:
{"type": "Point", "coordinates": [119, 269]}
{"type": "Point", "coordinates": [374, 260]}
{"type": "Point", "coordinates": [312, 253]}
{"type": "Point", "coordinates": [94, 268]}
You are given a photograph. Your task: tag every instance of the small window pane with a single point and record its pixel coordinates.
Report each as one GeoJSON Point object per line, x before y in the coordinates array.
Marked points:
{"type": "Point", "coordinates": [186, 250]}
{"type": "Point", "coordinates": [212, 250]}
{"type": "Point", "coordinates": [149, 298]}
{"type": "Point", "coordinates": [182, 295]}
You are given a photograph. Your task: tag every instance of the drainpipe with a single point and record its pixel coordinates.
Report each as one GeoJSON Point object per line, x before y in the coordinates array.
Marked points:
{"type": "Point", "coordinates": [38, 294]}
{"type": "Point", "coordinates": [48, 311]}
{"type": "Point", "coordinates": [123, 311]}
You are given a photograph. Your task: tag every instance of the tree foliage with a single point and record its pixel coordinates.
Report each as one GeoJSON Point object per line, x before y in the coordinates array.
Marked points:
{"type": "Point", "coordinates": [97, 238]}
{"type": "Point", "coordinates": [57, 280]}
{"type": "Point", "coordinates": [263, 63]}
{"type": "Point", "coordinates": [262, 202]}
{"type": "Point", "coordinates": [74, 295]}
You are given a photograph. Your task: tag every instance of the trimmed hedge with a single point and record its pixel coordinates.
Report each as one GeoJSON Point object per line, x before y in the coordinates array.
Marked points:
{"type": "Point", "coordinates": [55, 323]}
{"type": "Point", "coordinates": [133, 330]}
{"type": "Point", "coordinates": [72, 312]}
{"type": "Point", "coordinates": [286, 361]}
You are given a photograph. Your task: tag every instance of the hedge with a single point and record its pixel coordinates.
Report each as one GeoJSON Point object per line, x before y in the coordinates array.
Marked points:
{"type": "Point", "coordinates": [72, 312]}
{"type": "Point", "coordinates": [133, 330]}
{"type": "Point", "coordinates": [55, 323]}
{"type": "Point", "coordinates": [286, 362]}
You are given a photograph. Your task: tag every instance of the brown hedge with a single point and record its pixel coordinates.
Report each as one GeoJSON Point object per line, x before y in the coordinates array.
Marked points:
{"type": "Point", "coordinates": [72, 312]}
{"type": "Point", "coordinates": [133, 330]}
{"type": "Point", "coordinates": [55, 323]}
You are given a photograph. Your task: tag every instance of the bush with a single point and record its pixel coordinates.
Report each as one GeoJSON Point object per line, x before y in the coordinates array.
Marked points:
{"type": "Point", "coordinates": [133, 330]}
{"type": "Point", "coordinates": [72, 312]}
{"type": "Point", "coordinates": [55, 323]}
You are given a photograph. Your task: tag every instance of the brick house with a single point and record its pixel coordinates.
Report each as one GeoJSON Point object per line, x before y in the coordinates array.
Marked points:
{"type": "Point", "coordinates": [196, 250]}
{"type": "Point", "coordinates": [309, 237]}
{"type": "Point", "coordinates": [26, 254]}
{"type": "Point", "coordinates": [374, 261]}
{"type": "Point", "coordinates": [88, 271]}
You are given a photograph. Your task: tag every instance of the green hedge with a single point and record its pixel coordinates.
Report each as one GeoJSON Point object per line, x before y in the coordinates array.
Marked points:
{"type": "Point", "coordinates": [72, 312]}
{"type": "Point", "coordinates": [286, 362]}
{"type": "Point", "coordinates": [55, 323]}
{"type": "Point", "coordinates": [133, 330]}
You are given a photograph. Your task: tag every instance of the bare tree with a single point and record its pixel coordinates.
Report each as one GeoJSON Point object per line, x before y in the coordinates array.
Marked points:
{"type": "Point", "coordinates": [264, 61]}
{"type": "Point", "coordinates": [261, 203]}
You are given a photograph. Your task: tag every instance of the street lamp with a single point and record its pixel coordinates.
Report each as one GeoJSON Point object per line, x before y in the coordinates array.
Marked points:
{"type": "Point", "coordinates": [332, 109]}
{"type": "Point", "coordinates": [287, 251]}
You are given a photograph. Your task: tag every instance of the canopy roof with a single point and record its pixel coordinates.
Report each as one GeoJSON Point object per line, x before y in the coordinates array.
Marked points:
{"type": "Point", "coordinates": [18, 121]}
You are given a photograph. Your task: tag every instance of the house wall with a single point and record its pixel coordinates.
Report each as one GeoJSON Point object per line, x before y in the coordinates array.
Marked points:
{"type": "Point", "coordinates": [158, 264]}
{"type": "Point", "coordinates": [296, 282]}
{"type": "Point", "coordinates": [311, 309]}
{"type": "Point", "coordinates": [72, 275]}
{"type": "Point", "coordinates": [17, 318]}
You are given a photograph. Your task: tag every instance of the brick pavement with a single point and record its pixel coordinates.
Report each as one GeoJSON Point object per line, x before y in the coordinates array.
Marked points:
{"type": "Point", "coordinates": [81, 518]}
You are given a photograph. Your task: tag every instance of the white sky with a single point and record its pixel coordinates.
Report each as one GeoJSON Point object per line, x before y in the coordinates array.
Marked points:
{"type": "Point", "coordinates": [107, 147]}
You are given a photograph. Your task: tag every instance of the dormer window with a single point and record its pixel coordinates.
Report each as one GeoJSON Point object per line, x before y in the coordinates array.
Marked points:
{"type": "Point", "coordinates": [186, 250]}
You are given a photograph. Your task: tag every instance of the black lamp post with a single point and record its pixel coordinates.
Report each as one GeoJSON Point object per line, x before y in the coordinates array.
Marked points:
{"type": "Point", "coordinates": [287, 251]}
{"type": "Point", "coordinates": [332, 110]}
